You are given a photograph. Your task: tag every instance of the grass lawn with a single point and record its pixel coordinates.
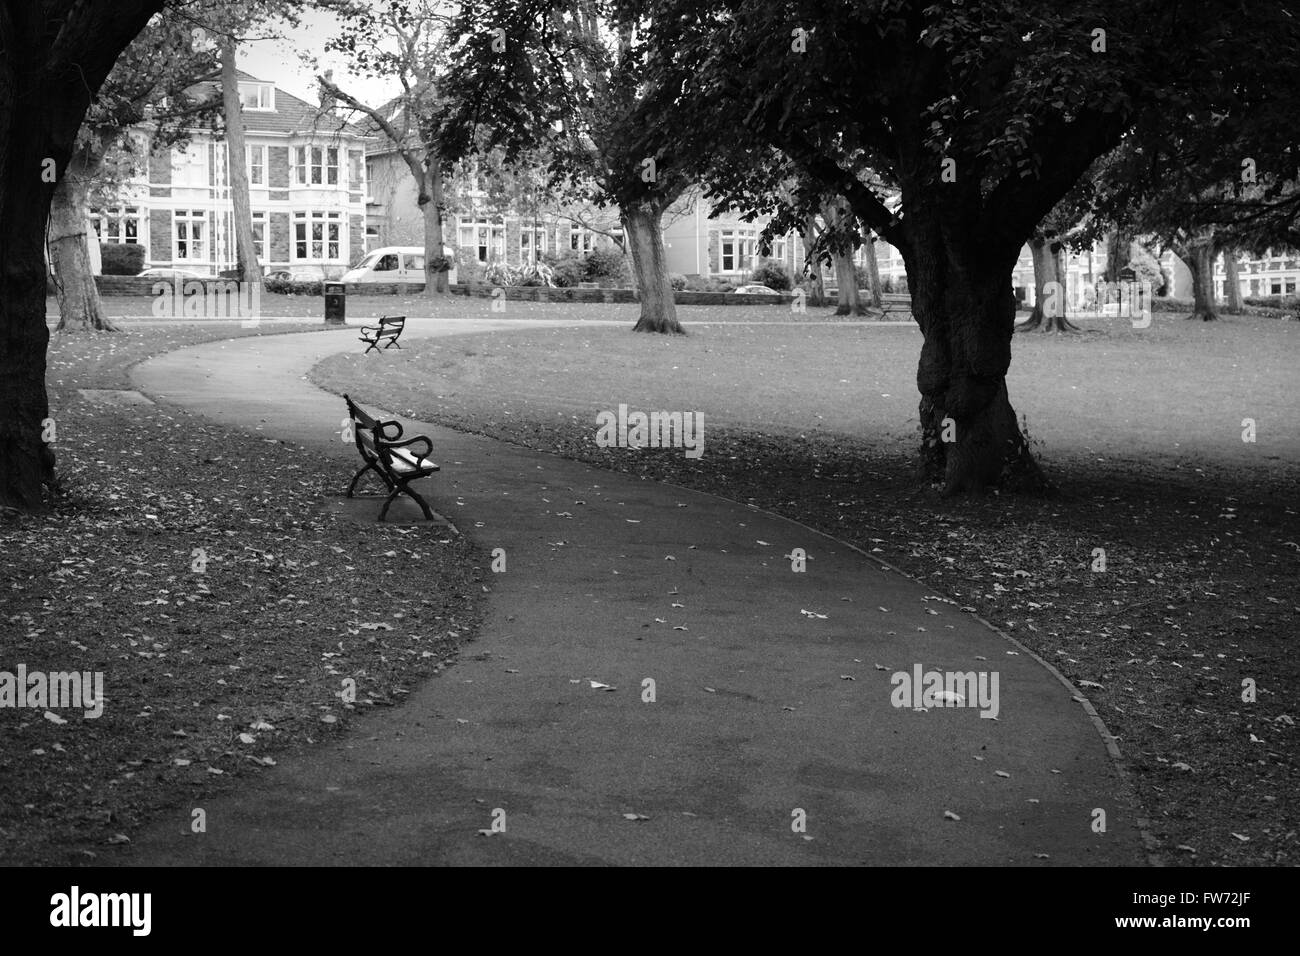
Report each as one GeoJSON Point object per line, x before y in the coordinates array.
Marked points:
{"type": "Point", "coordinates": [1141, 430]}
{"type": "Point", "coordinates": [211, 671]}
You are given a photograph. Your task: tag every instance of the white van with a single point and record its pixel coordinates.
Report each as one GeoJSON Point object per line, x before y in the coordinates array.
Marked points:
{"type": "Point", "coordinates": [394, 264]}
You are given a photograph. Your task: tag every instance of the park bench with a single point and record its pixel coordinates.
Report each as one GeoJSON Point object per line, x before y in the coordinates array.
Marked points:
{"type": "Point", "coordinates": [391, 458]}
{"type": "Point", "coordinates": [387, 331]}
{"type": "Point", "coordinates": [895, 303]}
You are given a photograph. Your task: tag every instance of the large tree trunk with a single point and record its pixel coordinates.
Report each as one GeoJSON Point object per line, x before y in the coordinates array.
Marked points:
{"type": "Point", "coordinates": [432, 203]}
{"type": "Point", "coordinates": [80, 308]}
{"type": "Point", "coordinates": [837, 214]}
{"type": "Point", "coordinates": [963, 302]}
{"type": "Point", "coordinates": [812, 267]}
{"type": "Point", "coordinates": [1049, 310]}
{"type": "Point", "coordinates": [1199, 257]}
{"type": "Point", "coordinates": [1232, 282]}
{"type": "Point", "coordinates": [873, 272]}
{"type": "Point", "coordinates": [643, 229]}
{"type": "Point", "coordinates": [848, 300]}
{"type": "Point", "coordinates": [237, 169]}
{"type": "Point", "coordinates": [26, 462]}
{"type": "Point", "coordinates": [44, 94]}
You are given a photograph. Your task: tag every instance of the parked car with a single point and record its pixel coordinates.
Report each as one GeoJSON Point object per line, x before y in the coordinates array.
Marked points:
{"type": "Point", "coordinates": [175, 275]}
{"type": "Point", "coordinates": [756, 290]}
{"type": "Point", "coordinates": [394, 264]}
{"type": "Point", "coordinates": [298, 276]}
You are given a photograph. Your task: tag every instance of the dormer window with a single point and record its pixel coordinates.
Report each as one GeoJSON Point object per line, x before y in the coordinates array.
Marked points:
{"type": "Point", "coordinates": [257, 96]}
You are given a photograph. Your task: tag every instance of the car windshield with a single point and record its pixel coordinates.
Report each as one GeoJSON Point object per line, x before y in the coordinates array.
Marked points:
{"type": "Point", "coordinates": [367, 262]}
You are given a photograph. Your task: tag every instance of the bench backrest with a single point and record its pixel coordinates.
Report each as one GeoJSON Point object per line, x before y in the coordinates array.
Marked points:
{"type": "Point", "coordinates": [366, 429]}
{"type": "Point", "coordinates": [391, 324]}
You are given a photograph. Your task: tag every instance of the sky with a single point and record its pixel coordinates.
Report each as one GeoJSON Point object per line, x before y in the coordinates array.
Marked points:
{"type": "Point", "coordinates": [283, 62]}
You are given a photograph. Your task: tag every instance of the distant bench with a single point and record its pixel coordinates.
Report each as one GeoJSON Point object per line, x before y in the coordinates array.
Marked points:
{"type": "Point", "coordinates": [895, 303]}
{"type": "Point", "coordinates": [388, 331]}
{"type": "Point", "coordinates": [396, 463]}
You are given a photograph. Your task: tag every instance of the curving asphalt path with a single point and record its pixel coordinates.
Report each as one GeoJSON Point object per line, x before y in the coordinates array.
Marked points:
{"type": "Point", "coordinates": [763, 714]}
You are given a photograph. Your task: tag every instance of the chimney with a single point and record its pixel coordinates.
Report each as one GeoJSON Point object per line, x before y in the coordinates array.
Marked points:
{"type": "Point", "coordinates": [327, 101]}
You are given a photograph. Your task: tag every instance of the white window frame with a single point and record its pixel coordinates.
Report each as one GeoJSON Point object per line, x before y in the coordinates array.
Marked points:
{"type": "Point", "coordinates": [190, 167]}
{"type": "Point", "coordinates": [310, 162]}
{"type": "Point", "coordinates": [581, 240]}
{"type": "Point", "coordinates": [318, 250]}
{"type": "Point", "coordinates": [111, 225]}
{"type": "Point", "coordinates": [184, 221]}
{"type": "Point", "coordinates": [260, 245]}
{"type": "Point", "coordinates": [263, 97]}
{"type": "Point", "coordinates": [486, 238]}
{"type": "Point", "coordinates": [528, 235]}
{"type": "Point", "coordinates": [257, 157]}
{"type": "Point", "coordinates": [358, 173]}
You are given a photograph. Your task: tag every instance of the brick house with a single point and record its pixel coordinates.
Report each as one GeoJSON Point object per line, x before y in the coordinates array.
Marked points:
{"type": "Point", "coordinates": [307, 188]}
{"type": "Point", "coordinates": [393, 218]}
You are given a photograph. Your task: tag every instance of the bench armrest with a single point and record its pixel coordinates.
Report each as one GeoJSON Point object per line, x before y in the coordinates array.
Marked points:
{"type": "Point", "coordinates": [421, 456]}
{"type": "Point", "coordinates": [381, 430]}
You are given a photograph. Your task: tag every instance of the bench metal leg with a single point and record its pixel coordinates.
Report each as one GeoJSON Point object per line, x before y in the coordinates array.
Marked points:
{"type": "Point", "coordinates": [370, 466]}
{"type": "Point", "coordinates": [428, 515]}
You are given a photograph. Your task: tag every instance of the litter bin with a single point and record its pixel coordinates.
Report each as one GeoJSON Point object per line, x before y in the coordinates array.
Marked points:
{"type": "Point", "coordinates": [336, 311]}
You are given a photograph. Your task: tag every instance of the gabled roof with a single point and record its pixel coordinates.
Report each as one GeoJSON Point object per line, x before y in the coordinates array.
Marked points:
{"type": "Point", "coordinates": [291, 115]}
{"type": "Point", "coordinates": [394, 113]}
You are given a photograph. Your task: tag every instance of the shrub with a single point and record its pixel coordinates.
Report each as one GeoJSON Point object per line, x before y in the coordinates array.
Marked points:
{"type": "Point", "coordinates": [772, 275]}
{"type": "Point", "coordinates": [1170, 304]}
{"type": "Point", "coordinates": [441, 263]}
{"type": "Point", "coordinates": [677, 281]}
{"type": "Point", "coordinates": [569, 270]}
{"type": "Point", "coordinates": [121, 259]}
{"type": "Point", "coordinates": [605, 263]}
{"type": "Point", "coordinates": [1289, 302]}
{"type": "Point", "coordinates": [469, 270]}
{"type": "Point", "coordinates": [502, 275]}
{"type": "Point", "coordinates": [294, 287]}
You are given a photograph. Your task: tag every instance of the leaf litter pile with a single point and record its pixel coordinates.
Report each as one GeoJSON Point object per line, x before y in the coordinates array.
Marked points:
{"type": "Point", "coordinates": [1198, 595]}
{"type": "Point", "coordinates": [197, 569]}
